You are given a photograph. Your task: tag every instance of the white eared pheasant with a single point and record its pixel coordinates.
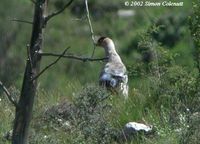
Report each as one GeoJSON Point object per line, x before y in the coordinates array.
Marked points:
{"type": "Point", "coordinates": [113, 75]}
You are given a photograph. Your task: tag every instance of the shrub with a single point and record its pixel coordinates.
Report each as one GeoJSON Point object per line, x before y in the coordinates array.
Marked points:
{"type": "Point", "coordinates": [87, 120]}
{"type": "Point", "coordinates": [171, 28]}
{"type": "Point", "coordinates": [92, 115]}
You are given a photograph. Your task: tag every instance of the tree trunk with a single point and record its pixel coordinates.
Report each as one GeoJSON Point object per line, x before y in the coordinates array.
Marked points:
{"type": "Point", "coordinates": [25, 106]}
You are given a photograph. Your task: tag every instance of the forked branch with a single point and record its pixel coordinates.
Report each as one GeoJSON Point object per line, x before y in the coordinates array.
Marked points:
{"type": "Point", "coordinates": [11, 99]}
{"type": "Point", "coordinates": [50, 65]}
{"type": "Point", "coordinates": [47, 18]}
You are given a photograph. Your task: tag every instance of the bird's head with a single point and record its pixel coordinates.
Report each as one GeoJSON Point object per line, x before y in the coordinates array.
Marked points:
{"type": "Point", "coordinates": [104, 42]}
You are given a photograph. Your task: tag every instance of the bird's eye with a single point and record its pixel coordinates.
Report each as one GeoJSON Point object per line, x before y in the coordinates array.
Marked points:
{"type": "Point", "coordinates": [101, 39]}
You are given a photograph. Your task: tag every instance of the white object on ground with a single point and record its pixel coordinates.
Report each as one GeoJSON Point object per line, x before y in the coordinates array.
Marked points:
{"type": "Point", "coordinates": [138, 126]}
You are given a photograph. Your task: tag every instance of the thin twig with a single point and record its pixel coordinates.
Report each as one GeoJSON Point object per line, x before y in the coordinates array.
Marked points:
{"type": "Point", "coordinates": [57, 12]}
{"type": "Point", "coordinates": [84, 59]}
{"type": "Point", "coordinates": [22, 21]}
{"type": "Point", "coordinates": [90, 25]}
{"type": "Point", "coordinates": [50, 65]}
{"type": "Point", "coordinates": [11, 99]}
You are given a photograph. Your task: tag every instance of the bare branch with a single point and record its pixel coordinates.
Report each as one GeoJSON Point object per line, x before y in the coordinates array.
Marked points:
{"type": "Point", "coordinates": [47, 18]}
{"type": "Point", "coordinates": [50, 65]}
{"type": "Point", "coordinates": [71, 56]}
{"type": "Point", "coordinates": [90, 25]}
{"type": "Point", "coordinates": [11, 99]}
{"type": "Point", "coordinates": [22, 21]}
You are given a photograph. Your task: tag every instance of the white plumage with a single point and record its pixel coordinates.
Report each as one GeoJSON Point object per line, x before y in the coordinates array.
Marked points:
{"type": "Point", "coordinates": [113, 75]}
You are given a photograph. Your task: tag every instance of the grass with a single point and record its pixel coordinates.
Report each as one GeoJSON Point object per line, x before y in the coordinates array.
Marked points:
{"type": "Point", "coordinates": [134, 109]}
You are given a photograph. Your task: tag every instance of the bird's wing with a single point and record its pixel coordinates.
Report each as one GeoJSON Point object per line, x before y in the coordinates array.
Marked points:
{"type": "Point", "coordinates": [115, 69]}
{"type": "Point", "coordinates": [115, 75]}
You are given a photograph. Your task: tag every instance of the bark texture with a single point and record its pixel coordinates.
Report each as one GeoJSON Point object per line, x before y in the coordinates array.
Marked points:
{"type": "Point", "coordinates": [28, 92]}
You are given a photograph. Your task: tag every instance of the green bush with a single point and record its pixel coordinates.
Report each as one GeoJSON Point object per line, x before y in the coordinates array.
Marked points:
{"type": "Point", "coordinates": [86, 120]}
{"type": "Point", "coordinates": [92, 115]}
{"type": "Point", "coordinates": [170, 28]}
